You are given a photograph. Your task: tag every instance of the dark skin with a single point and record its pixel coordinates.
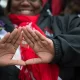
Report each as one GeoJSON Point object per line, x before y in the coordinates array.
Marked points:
{"type": "Point", "coordinates": [8, 46]}
{"type": "Point", "coordinates": [72, 8]}
{"type": "Point", "coordinates": [43, 46]}
{"type": "Point", "coordinates": [26, 7]}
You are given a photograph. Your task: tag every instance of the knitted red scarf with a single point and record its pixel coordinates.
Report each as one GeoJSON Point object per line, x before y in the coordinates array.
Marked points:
{"type": "Point", "coordinates": [35, 71]}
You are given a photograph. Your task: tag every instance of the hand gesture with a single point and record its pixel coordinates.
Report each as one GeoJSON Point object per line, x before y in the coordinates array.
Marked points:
{"type": "Point", "coordinates": [42, 46]}
{"type": "Point", "coordinates": [8, 46]}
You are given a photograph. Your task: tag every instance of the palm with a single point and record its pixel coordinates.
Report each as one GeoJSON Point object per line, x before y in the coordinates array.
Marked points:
{"type": "Point", "coordinates": [39, 48]}
{"type": "Point", "coordinates": [6, 53]}
{"type": "Point", "coordinates": [44, 50]}
{"type": "Point", "coordinates": [8, 46]}
{"type": "Point", "coordinates": [42, 46]}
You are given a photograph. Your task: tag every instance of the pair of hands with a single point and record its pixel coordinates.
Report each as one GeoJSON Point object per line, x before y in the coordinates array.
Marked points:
{"type": "Point", "coordinates": [42, 46]}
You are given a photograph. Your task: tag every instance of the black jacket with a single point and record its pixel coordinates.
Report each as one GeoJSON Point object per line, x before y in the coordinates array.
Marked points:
{"type": "Point", "coordinates": [65, 33]}
{"type": "Point", "coordinates": [7, 72]}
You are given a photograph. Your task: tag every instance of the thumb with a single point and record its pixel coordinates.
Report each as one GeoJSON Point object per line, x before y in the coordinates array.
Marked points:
{"type": "Point", "coordinates": [33, 61]}
{"type": "Point", "coordinates": [17, 62]}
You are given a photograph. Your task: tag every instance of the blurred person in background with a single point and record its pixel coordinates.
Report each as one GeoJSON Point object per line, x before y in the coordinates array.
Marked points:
{"type": "Point", "coordinates": [72, 7]}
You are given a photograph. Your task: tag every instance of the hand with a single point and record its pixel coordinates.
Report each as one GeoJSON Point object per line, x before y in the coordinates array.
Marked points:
{"type": "Point", "coordinates": [42, 46]}
{"type": "Point", "coordinates": [8, 46]}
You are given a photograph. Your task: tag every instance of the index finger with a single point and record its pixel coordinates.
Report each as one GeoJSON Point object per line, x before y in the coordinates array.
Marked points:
{"type": "Point", "coordinates": [17, 62]}
{"type": "Point", "coordinates": [12, 35]}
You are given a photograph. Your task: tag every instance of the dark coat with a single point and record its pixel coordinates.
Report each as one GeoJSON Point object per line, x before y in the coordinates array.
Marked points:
{"type": "Point", "coordinates": [65, 33]}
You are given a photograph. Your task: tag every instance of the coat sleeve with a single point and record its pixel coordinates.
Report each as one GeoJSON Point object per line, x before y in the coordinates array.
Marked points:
{"type": "Point", "coordinates": [67, 40]}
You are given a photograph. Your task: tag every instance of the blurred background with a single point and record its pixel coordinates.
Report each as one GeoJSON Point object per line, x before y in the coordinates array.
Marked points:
{"type": "Point", "coordinates": [3, 3]}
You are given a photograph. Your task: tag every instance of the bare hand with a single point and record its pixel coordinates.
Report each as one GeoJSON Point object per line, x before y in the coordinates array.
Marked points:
{"type": "Point", "coordinates": [42, 46]}
{"type": "Point", "coordinates": [8, 46]}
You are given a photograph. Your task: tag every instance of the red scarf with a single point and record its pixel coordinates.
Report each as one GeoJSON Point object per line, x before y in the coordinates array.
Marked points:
{"type": "Point", "coordinates": [36, 71]}
{"type": "Point", "coordinates": [56, 6]}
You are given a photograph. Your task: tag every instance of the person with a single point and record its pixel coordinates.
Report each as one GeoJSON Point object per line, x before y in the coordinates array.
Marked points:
{"type": "Point", "coordinates": [71, 7]}
{"type": "Point", "coordinates": [61, 45]}
{"type": "Point", "coordinates": [8, 44]}
{"type": "Point", "coordinates": [37, 71]}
